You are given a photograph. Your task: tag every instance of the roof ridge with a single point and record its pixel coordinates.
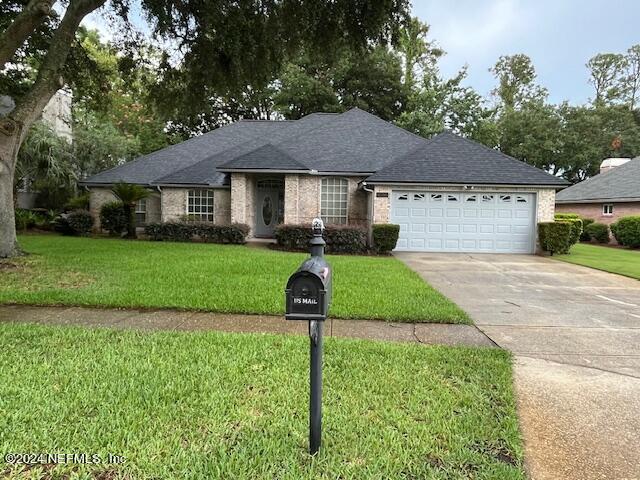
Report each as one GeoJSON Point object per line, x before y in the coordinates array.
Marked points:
{"type": "Point", "coordinates": [391, 123]}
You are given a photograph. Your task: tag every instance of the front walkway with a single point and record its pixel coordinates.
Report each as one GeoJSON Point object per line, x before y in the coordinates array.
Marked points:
{"type": "Point", "coordinates": [424, 333]}
{"type": "Point", "coordinates": [575, 333]}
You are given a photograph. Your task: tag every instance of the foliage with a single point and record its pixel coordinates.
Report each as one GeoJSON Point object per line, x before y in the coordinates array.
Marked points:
{"type": "Point", "coordinates": [417, 51]}
{"type": "Point", "coordinates": [114, 218]}
{"type": "Point", "coordinates": [78, 222]}
{"type": "Point", "coordinates": [606, 72]}
{"type": "Point", "coordinates": [385, 237]}
{"type": "Point", "coordinates": [129, 194]}
{"type": "Point", "coordinates": [615, 260]}
{"type": "Point", "coordinates": [516, 82]}
{"type": "Point", "coordinates": [339, 238]}
{"type": "Point", "coordinates": [81, 202]}
{"type": "Point", "coordinates": [598, 232]}
{"type": "Point", "coordinates": [585, 237]}
{"type": "Point", "coordinates": [627, 231]}
{"type": "Point", "coordinates": [218, 278]}
{"type": "Point", "coordinates": [576, 225]}
{"type": "Point", "coordinates": [555, 237]}
{"type": "Point", "coordinates": [206, 232]}
{"type": "Point", "coordinates": [25, 219]}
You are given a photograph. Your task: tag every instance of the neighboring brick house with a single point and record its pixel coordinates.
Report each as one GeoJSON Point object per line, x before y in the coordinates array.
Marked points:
{"type": "Point", "coordinates": [606, 197]}
{"type": "Point", "coordinates": [447, 193]}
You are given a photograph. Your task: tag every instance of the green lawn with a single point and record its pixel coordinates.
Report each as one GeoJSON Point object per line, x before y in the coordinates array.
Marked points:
{"type": "Point", "coordinates": [233, 406]}
{"type": "Point", "coordinates": [614, 260]}
{"type": "Point", "coordinates": [219, 278]}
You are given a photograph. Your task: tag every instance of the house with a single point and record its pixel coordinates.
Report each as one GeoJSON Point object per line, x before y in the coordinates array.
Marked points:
{"type": "Point", "coordinates": [448, 194]}
{"type": "Point", "coordinates": [608, 196]}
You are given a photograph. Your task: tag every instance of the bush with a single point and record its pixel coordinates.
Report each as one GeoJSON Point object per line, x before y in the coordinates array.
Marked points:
{"type": "Point", "coordinates": [25, 219]}
{"type": "Point", "coordinates": [339, 238]}
{"type": "Point", "coordinates": [598, 232]}
{"type": "Point", "coordinates": [114, 218]}
{"type": "Point", "coordinates": [385, 237]}
{"type": "Point", "coordinates": [627, 231]}
{"type": "Point", "coordinates": [555, 237]}
{"type": "Point", "coordinates": [585, 237]}
{"type": "Point", "coordinates": [81, 202]}
{"type": "Point", "coordinates": [78, 222]}
{"type": "Point", "coordinates": [576, 225]}
{"type": "Point", "coordinates": [207, 232]}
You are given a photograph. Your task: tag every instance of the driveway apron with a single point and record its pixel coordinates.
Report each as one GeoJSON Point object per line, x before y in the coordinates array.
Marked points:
{"type": "Point", "coordinates": [575, 335]}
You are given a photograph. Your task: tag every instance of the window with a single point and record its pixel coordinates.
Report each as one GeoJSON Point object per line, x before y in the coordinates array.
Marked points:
{"type": "Point", "coordinates": [471, 198]}
{"type": "Point", "coordinates": [436, 197]}
{"type": "Point", "coordinates": [333, 200]}
{"type": "Point", "coordinates": [141, 212]}
{"type": "Point", "coordinates": [521, 199]}
{"type": "Point", "coordinates": [418, 197]}
{"type": "Point", "coordinates": [487, 198]}
{"type": "Point", "coordinates": [404, 196]}
{"type": "Point", "coordinates": [607, 209]}
{"type": "Point", "coordinates": [452, 198]}
{"type": "Point", "coordinates": [505, 198]}
{"type": "Point", "coordinates": [200, 205]}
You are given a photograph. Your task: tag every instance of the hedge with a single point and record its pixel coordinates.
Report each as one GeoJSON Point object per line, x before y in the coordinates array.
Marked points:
{"type": "Point", "coordinates": [78, 222]}
{"type": "Point", "coordinates": [627, 231]}
{"type": "Point", "coordinates": [385, 237]}
{"type": "Point", "coordinates": [207, 232]}
{"type": "Point", "coordinates": [576, 225]}
{"type": "Point", "coordinates": [339, 238]}
{"type": "Point", "coordinates": [598, 232]}
{"type": "Point", "coordinates": [113, 218]}
{"type": "Point", "coordinates": [555, 237]}
{"type": "Point", "coordinates": [585, 237]}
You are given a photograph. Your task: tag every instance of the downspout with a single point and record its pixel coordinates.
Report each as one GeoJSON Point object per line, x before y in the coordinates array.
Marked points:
{"type": "Point", "coordinates": [364, 188]}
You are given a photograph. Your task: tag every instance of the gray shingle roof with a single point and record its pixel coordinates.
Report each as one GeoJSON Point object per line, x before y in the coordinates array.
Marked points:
{"type": "Point", "coordinates": [351, 142]}
{"type": "Point", "coordinates": [147, 169]}
{"type": "Point", "coordinates": [620, 183]}
{"type": "Point", "coordinates": [449, 158]}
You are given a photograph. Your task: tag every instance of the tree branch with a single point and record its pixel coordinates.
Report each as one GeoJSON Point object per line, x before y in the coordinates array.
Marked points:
{"type": "Point", "coordinates": [49, 79]}
{"type": "Point", "coordinates": [22, 27]}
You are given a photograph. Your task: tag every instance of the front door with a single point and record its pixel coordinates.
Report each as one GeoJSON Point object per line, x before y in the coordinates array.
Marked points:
{"type": "Point", "coordinates": [268, 206]}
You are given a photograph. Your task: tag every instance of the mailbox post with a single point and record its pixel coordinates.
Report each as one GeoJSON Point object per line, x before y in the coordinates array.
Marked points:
{"type": "Point", "coordinates": [307, 297]}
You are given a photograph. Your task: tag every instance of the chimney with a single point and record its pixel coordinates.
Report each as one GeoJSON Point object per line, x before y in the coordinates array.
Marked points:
{"type": "Point", "coordinates": [611, 163]}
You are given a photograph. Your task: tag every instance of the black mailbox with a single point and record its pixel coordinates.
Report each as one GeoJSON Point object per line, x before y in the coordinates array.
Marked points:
{"type": "Point", "coordinates": [308, 292]}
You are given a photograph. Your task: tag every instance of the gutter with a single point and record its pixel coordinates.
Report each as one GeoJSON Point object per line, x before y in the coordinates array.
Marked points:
{"type": "Point", "coordinates": [469, 186]}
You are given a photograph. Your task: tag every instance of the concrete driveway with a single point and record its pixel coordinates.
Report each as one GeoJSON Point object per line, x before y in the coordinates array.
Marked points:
{"type": "Point", "coordinates": [575, 333]}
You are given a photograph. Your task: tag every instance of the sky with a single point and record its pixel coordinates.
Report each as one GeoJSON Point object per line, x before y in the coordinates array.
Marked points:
{"type": "Point", "coordinates": [559, 35]}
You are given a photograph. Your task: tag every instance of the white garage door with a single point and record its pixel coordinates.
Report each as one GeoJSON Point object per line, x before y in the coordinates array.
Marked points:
{"type": "Point", "coordinates": [500, 222]}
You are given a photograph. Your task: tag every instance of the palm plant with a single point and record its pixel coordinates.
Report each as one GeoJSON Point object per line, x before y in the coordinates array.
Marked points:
{"type": "Point", "coordinates": [129, 194]}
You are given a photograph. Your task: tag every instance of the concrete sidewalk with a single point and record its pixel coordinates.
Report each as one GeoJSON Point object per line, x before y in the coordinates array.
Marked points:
{"type": "Point", "coordinates": [423, 333]}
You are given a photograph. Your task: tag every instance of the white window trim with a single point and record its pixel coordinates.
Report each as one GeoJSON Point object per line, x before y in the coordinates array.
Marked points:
{"type": "Point", "coordinates": [604, 206]}
{"type": "Point", "coordinates": [346, 216]}
{"type": "Point", "coordinates": [186, 201]}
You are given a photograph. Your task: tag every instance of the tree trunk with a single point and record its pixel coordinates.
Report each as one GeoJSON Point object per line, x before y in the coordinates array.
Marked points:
{"type": "Point", "coordinates": [129, 210]}
{"type": "Point", "coordinates": [13, 129]}
{"type": "Point", "coordinates": [22, 27]}
{"type": "Point", "coordinates": [8, 242]}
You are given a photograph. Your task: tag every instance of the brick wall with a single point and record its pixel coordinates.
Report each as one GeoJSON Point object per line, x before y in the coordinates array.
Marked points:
{"type": "Point", "coordinates": [594, 210]}
{"type": "Point", "coordinates": [97, 198]}
{"type": "Point", "coordinates": [174, 204]}
{"type": "Point", "coordinates": [302, 200]}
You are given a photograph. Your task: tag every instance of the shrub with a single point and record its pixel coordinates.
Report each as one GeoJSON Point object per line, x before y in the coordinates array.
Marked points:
{"type": "Point", "coordinates": [385, 237]}
{"type": "Point", "coordinates": [555, 237]}
{"type": "Point", "coordinates": [339, 238]}
{"type": "Point", "coordinates": [598, 232]}
{"type": "Point", "coordinates": [113, 218]}
{"type": "Point", "coordinates": [81, 202]}
{"type": "Point", "coordinates": [207, 232]}
{"type": "Point", "coordinates": [25, 219]}
{"type": "Point", "coordinates": [585, 237]}
{"type": "Point", "coordinates": [61, 224]}
{"type": "Point", "coordinates": [627, 231]}
{"type": "Point", "coordinates": [80, 222]}
{"type": "Point", "coordinates": [576, 225]}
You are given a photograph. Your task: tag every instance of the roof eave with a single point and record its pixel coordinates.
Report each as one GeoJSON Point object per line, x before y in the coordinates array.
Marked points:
{"type": "Point", "coordinates": [462, 184]}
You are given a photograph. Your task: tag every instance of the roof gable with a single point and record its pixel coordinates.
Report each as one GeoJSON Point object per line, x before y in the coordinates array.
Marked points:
{"type": "Point", "coordinates": [449, 158]}
{"type": "Point", "coordinates": [621, 182]}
